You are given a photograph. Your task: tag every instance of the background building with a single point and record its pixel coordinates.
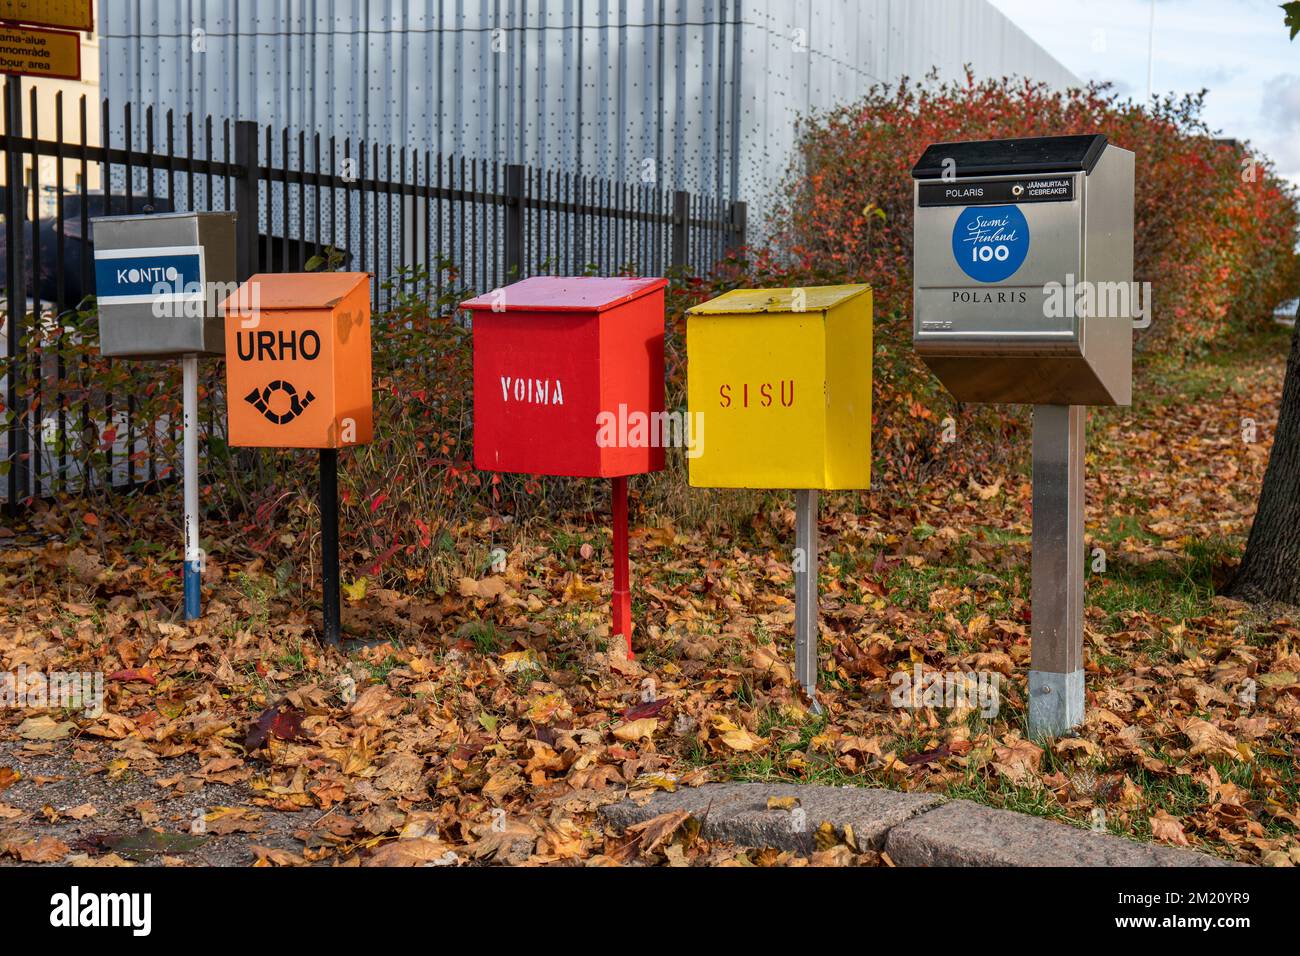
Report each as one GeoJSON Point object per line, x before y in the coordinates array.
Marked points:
{"type": "Point", "coordinates": [45, 198]}
{"type": "Point", "coordinates": [701, 95]}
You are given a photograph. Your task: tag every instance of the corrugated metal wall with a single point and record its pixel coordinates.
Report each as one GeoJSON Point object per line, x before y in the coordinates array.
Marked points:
{"type": "Point", "coordinates": [703, 95]}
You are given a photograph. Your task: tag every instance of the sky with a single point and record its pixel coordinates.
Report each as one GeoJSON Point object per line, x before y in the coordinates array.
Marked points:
{"type": "Point", "coordinates": [1237, 50]}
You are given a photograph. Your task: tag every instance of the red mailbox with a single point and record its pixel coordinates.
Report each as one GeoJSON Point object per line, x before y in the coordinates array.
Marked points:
{"type": "Point", "coordinates": [550, 355]}
{"type": "Point", "coordinates": [569, 380]}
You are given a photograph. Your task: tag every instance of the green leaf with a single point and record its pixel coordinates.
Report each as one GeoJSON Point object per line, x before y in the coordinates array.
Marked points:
{"type": "Point", "coordinates": [1292, 11]}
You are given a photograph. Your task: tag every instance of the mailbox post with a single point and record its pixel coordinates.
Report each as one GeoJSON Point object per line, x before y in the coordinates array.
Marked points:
{"type": "Point", "coordinates": [298, 376]}
{"type": "Point", "coordinates": [158, 281]}
{"type": "Point", "coordinates": [782, 378]}
{"type": "Point", "coordinates": [1023, 294]}
{"type": "Point", "coordinates": [564, 370]}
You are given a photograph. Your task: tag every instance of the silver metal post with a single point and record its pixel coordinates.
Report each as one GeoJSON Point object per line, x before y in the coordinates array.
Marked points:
{"type": "Point", "coordinates": [805, 595]}
{"type": "Point", "coordinates": [1056, 668]}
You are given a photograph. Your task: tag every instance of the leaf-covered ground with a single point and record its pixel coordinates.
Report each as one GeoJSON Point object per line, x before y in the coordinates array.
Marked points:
{"type": "Point", "coordinates": [488, 725]}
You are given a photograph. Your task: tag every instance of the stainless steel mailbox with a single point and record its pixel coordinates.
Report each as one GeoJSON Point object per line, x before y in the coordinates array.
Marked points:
{"type": "Point", "coordinates": [159, 280]}
{"type": "Point", "coordinates": [1023, 269]}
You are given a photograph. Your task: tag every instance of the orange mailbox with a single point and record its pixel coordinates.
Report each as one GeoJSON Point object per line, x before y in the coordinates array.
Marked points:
{"type": "Point", "coordinates": [298, 361]}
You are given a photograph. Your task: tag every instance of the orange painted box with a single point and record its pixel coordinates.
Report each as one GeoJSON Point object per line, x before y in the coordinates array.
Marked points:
{"type": "Point", "coordinates": [569, 376]}
{"type": "Point", "coordinates": [298, 361]}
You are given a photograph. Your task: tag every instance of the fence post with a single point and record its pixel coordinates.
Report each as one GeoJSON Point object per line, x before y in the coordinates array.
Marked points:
{"type": "Point", "coordinates": [681, 227]}
{"type": "Point", "coordinates": [514, 223]}
{"type": "Point", "coordinates": [739, 225]}
{"type": "Point", "coordinates": [16, 291]}
{"type": "Point", "coordinates": [246, 198]}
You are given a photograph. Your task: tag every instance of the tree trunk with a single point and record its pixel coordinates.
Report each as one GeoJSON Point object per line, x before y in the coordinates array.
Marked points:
{"type": "Point", "coordinates": [1270, 568]}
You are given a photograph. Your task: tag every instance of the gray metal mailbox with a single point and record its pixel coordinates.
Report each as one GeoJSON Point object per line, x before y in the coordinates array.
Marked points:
{"type": "Point", "coordinates": [1023, 268]}
{"type": "Point", "coordinates": [1023, 293]}
{"type": "Point", "coordinates": [159, 280]}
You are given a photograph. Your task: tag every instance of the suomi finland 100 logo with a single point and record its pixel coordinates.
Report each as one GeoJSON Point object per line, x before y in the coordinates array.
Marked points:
{"type": "Point", "coordinates": [990, 242]}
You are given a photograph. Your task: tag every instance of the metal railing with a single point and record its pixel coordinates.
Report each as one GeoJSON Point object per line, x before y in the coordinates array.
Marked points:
{"type": "Point", "coordinates": [419, 222]}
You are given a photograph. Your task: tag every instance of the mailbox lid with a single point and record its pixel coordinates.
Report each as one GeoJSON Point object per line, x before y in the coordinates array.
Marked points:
{"type": "Point", "coordinates": [566, 294]}
{"type": "Point", "coordinates": [294, 290]}
{"type": "Point", "coordinates": [779, 301]}
{"type": "Point", "coordinates": [993, 157]}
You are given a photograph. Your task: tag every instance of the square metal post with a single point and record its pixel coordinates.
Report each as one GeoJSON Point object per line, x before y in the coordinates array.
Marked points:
{"type": "Point", "coordinates": [1056, 668]}
{"type": "Point", "coordinates": [805, 594]}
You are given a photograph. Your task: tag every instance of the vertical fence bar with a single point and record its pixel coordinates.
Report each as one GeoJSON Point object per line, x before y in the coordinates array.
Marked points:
{"type": "Point", "coordinates": [300, 262]}
{"type": "Point", "coordinates": [87, 433]}
{"type": "Point", "coordinates": [514, 238]}
{"type": "Point", "coordinates": [681, 226]}
{"type": "Point", "coordinates": [60, 295]}
{"type": "Point", "coordinates": [246, 198]}
{"type": "Point", "coordinates": [15, 274]}
{"type": "Point", "coordinates": [36, 338]}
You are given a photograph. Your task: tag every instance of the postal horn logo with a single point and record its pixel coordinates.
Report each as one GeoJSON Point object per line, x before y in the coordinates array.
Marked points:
{"type": "Point", "coordinates": [261, 400]}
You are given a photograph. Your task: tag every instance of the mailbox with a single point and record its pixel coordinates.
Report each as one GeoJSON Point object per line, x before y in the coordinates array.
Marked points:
{"type": "Point", "coordinates": [782, 378]}
{"type": "Point", "coordinates": [298, 361]}
{"type": "Point", "coordinates": [1023, 268]}
{"type": "Point", "coordinates": [553, 359]}
{"type": "Point", "coordinates": [157, 279]}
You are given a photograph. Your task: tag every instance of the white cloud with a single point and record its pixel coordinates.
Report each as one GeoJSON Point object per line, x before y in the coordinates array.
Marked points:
{"type": "Point", "coordinates": [1237, 50]}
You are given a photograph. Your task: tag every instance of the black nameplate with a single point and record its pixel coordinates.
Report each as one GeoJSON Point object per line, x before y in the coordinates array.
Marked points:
{"type": "Point", "coordinates": [987, 192]}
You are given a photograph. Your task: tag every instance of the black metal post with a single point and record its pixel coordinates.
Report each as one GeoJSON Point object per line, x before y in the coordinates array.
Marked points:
{"type": "Point", "coordinates": [514, 223]}
{"type": "Point", "coordinates": [329, 541]}
{"type": "Point", "coordinates": [681, 228]}
{"type": "Point", "coordinates": [246, 255]}
{"type": "Point", "coordinates": [739, 226]}
{"type": "Point", "coordinates": [17, 288]}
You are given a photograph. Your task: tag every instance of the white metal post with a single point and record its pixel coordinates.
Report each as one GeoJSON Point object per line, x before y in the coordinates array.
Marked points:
{"type": "Point", "coordinates": [805, 594]}
{"type": "Point", "coordinates": [193, 552]}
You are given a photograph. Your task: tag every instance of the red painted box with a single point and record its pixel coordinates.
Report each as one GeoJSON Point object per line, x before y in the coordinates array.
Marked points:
{"type": "Point", "coordinates": [551, 354]}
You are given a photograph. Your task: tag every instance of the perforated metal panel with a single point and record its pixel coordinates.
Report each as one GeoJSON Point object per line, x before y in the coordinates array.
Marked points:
{"type": "Point", "coordinates": [701, 95]}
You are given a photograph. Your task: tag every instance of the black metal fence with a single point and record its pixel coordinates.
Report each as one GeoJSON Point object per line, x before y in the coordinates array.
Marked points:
{"type": "Point", "coordinates": [421, 223]}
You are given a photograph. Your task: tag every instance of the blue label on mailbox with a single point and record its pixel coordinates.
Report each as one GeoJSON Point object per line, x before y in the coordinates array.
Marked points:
{"type": "Point", "coordinates": [990, 243]}
{"type": "Point", "coordinates": [169, 273]}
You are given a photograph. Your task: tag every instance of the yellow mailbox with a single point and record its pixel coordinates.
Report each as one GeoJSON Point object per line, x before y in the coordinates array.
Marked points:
{"type": "Point", "coordinates": [781, 381]}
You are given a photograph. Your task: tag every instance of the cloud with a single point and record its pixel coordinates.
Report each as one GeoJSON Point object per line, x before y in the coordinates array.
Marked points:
{"type": "Point", "coordinates": [1280, 117]}
{"type": "Point", "coordinates": [1280, 112]}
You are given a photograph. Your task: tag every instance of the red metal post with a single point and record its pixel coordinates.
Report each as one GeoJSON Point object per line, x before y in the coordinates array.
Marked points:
{"type": "Point", "coordinates": [622, 571]}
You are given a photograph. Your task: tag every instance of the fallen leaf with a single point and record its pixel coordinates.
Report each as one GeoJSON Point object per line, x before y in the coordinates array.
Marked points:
{"type": "Point", "coordinates": [44, 728]}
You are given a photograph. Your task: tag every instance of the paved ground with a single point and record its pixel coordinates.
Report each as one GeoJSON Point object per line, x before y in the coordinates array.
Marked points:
{"type": "Point", "coordinates": [913, 829]}
{"type": "Point", "coordinates": [59, 785]}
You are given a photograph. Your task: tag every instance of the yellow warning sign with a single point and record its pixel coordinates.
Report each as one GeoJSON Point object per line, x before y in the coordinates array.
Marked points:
{"type": "Point", "coordinates": [49, 53]}
{"type": "Point", "coordinates": [68, 14]}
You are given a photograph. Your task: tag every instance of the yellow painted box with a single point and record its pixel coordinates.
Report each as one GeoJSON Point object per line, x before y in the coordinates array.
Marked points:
{"type": "Point", "coordinates": [780, 382]}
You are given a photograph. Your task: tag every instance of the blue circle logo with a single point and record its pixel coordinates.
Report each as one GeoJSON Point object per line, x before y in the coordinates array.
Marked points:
{"type": "Point", "coordinates": [990, 242]}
